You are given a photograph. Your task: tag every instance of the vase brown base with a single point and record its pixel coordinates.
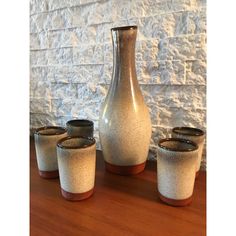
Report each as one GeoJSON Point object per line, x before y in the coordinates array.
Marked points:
{"type": "Point", "coordinates": [49, 174]}
{"type": "Point", "coordinates": [76, 196]}
{"type": "Point", "coordinates": [125, 170]}
{"type": "Point", "coordinates": [175, 202]}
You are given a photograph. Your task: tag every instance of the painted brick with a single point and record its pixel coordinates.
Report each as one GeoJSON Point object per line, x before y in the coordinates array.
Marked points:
{"type": "Point", "coordinates": [63, 90]}
{"type": "Point", "coordinates": [39, 105]}
{"type": "Point", "coordinates": [87, 73]}
{"type": "Point", "coordinates": [142, 8]}
{"type": "Point", "coordinates": [196, 72]}
{"type": "Point", "coordinates": [161, 72]}
{"type": "Point", "coordinates": [146, 50]}
{"type": "Point", "coordinates": [192, 96]}
{"type": "Point", "coordinates": [38, 120]}
{"type": "Point", "coordinates": [91, 92]}
{"type": "Point", "coordinates": [61, 74]}
{"type": "Point", "coordinates": [40, 22]}
{"type": "Point", "coordinates": [90, 35]}
{"type": "Point", "coordinates": [87, 109]}
{"type": "Point", "coordinates": [62, 107]}
{"type": "Point", "coordinates": [60, 56]}
{"type": "Point", "coordinates": [88, 54]}
{"type": "Point", "coordinates": [174, 116]}
{"type": "Point", "coordinates": [39, 40]}
{"type": "Point", "coordinates": [57, 4]}
{"type": "Point", "coordinates": [120, 10]}
{"type": "Point", "coordinates": [39, 89]}
{"type": "Point", "coordinates": [107, 73]}
{"type": "Point", "coordinates": [60, 19]}
{"type": "Point", "coordinates": [182, 48]}
{"type": "Point", "coordinates": [39, 57]}
{"type": "Point", "coordinates": [197, 21]}
{"type": "Point", "coordinates": [61, 38]}
{"type": "Point", "coordinates": [38, 73]}
{"type": "Point", "coordinates": [38, 6]}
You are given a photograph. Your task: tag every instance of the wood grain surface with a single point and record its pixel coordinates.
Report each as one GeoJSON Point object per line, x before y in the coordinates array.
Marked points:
{"type": "Point", "coordinates": [121, 205]}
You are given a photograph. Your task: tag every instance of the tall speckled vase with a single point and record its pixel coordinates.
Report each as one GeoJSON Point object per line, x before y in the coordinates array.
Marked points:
{"type": "Point", "coordinates": [124, 123]}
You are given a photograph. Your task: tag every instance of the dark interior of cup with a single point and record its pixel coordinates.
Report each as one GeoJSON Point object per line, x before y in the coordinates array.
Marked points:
{"type": "Point", "coordinates": [188, 131]}
{"type": "Point", "coordinates": [178, 145]}
{"type": "Point", "coordinates": [79, 123]}
{"type": "Point", "coordinates": [51, 130]}
{"type": "Point", "coordinates": [76, 142]}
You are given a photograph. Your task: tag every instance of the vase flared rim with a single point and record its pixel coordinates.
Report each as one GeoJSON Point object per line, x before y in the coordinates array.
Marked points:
{"type": "Point", "coordinates": [125, 27]}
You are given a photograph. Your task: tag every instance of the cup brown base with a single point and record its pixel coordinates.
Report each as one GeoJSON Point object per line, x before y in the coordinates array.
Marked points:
{"type": "Point", "coordinates": [49, 174]}
{"type": "Point", "coordinates": [76, 196]}
{"type": "Point", "coordinates": [175, 202]}
{"type": "Point", "coordinates": [197, 174]}
{"type": "Point", "coordinates": [125, 170]}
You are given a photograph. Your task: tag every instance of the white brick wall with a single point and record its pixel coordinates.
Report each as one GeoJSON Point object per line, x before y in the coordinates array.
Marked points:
{"type": "Point", "coordinates": [71, 59]}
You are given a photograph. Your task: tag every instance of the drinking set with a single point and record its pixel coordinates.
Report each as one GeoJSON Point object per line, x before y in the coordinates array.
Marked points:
{"type": "Point", "coordinates": [124, 132]}
{"type": "Point", "coordinates": [70, 154]}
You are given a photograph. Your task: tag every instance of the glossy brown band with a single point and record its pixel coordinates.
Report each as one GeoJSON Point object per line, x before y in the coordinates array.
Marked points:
{"type": "Point", "coordinates": [76, 196]}
{"type": "Point", "coordinates": [80, 123]}
{"type": "Point", "coordinates": [180, 140]}
{"type": "Point", "coordinates": [49, 174]}
{"type": "Point", "coordinates": [189, 131]}
{"type": "Point", "coordinates": [175, 202]}
{"type": "Point", "coordinates": [125, 170]}
{"type": "Point", "coordinates": [58, 130]}
{"type": "Point", "coordinates": [60, 142]}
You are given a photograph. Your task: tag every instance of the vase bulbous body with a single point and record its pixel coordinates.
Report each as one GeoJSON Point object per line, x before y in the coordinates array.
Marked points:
{"type": "Point", "coordinates": [124, 122]}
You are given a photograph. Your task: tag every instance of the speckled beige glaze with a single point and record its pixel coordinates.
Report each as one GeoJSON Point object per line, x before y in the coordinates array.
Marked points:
{"type": "Point", "coordinates": [77, 164]}
{"type": "Point", "coordinates": [176, 171]}
{"type": "Point", "coordinates": [80, 128]}
{"type": "Point", "coordinates": [45, 145]}
{"type": "Point", "coordinates": [198, 139]}
{"type": "Point", "coordinates": [124, 123]}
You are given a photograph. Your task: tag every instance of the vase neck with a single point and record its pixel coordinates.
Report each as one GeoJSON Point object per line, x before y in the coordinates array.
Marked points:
{"type": "Point", "coordinates": [124, 53]}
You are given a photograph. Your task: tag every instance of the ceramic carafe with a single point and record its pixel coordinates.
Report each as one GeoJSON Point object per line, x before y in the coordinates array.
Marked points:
{"type": "Point", "coordinates": [124, 122]}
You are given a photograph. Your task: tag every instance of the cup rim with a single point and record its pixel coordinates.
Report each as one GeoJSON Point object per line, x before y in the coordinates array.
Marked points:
{"type": "Point", "coordinates": [80, 123]}
{"type": "Point", "coordinates": [194, 148]}
{"type": "Point", "coordinates": [125, 27]}
{"type": "Point", "coordinates": [58, 130]}
{"type": "Point", "coordinates": [60, 145]}
{"type": "Point", "coordinates": [194, 131]}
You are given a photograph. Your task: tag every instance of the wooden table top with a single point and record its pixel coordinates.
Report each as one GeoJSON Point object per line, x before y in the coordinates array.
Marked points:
{"type": "Point", "coordinates": [121, 205]}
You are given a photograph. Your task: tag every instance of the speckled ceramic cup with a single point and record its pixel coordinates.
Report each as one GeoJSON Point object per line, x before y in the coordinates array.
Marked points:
{"type": "Point", "coordinates": [80, 128]}
{"type": "Point", "coordinates": [176, 168]}
{"type": "Point", "coordinates": [46, 139]}
{"type": "Point", "coordinates": [76, 162]}
{"type": "Point", "coordinates": [195, 135]}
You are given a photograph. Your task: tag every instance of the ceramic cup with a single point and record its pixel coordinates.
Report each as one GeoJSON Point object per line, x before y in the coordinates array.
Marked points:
{"type": "Point", "coordinates": [80, 128]}
{"type": "Point", "coordinates": [195, 135]}
{"type": "Point", "coordinates": [176, 166]}
{"type": "Point", "coordinates": [76, 161]}
{"type": "Point", "coordinates": [46, 139]}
